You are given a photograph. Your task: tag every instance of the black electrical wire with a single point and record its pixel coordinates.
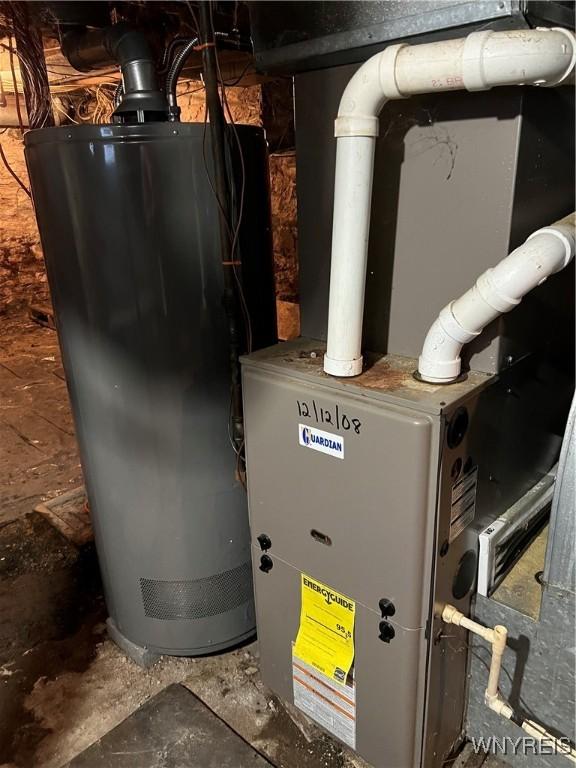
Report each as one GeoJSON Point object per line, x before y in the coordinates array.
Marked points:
{"type": "Point", "coordinates": [168, 52]}
{"type": "Point", "coordinates": [174, 73]}
{"type": "Point", "coordinates": [215, 107]}
{"type": "Point", "coordinates": [28, 48]}
{"type": "Point", "coordinates": [241, 450]}
{"type": "Point", "coordinates": [232, 83]}
{"type": "Point", "coordinates": [236, 233]}
{"type": "Point", "coordinates": [16, 94]}
{"type": "Point", "coordinates": [194, 17]}
{"type": "Point", "coordinates": [176, 65]}
{"type": "Point", "coordinates": [12, 172]}
{"type": "Point", "coordinates": [222, 187]}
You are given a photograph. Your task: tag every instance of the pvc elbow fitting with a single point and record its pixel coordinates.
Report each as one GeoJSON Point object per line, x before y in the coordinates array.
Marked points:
{"type": "Point", "coordinates": [496, 291]}
{"type": "Point", "coordinates": [366, 93]}
{"type": "Point", "coordinates": [440, 360]}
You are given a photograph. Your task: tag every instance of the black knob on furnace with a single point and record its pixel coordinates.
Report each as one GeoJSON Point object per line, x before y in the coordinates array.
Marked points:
{"type": "Point", "coordinates": [266, 563]}
{"type": "Point", "coordinates": [264, 542]}
{"type": "Point", "coordinates": [387, 607]}
{"type": "Point", "coordinates": [387, 632]}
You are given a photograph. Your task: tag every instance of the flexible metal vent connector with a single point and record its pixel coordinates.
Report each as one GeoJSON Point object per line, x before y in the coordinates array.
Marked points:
{"type": "Point", "coordinates": [121, 44]}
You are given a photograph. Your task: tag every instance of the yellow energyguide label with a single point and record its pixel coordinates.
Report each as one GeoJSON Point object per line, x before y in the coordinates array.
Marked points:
{"type": "Point", "coordinates": [325, 638]}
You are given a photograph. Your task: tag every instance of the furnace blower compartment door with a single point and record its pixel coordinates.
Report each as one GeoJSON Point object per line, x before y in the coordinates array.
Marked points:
{"type": "Point", "coordinates": [357, 518]}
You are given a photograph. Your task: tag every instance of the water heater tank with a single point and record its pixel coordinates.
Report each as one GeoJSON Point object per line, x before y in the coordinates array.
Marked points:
{"type": "Point", "coordinates": [129, 227]}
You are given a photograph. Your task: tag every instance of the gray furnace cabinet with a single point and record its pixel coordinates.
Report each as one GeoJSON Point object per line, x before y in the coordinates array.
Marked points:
{"type": "Point", "coordinates": [377, 487]}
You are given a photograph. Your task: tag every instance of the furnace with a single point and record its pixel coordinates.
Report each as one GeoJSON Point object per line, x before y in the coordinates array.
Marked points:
{"type": "Point", "coordinates": [396, 431]}
{"type": "Point", "coordinates": [373, 490]}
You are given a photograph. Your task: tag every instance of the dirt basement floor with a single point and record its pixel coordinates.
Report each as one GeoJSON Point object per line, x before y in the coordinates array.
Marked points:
{"type": "Point", "coordinates": [63, 683]}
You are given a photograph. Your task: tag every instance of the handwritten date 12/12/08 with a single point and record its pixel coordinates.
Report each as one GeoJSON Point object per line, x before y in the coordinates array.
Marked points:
{"type": "Point", "coordinates": [334, 418]}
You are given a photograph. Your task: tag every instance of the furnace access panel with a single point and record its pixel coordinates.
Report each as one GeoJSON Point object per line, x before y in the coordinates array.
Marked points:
{"type": "Point", "coordinates": [345, 480]}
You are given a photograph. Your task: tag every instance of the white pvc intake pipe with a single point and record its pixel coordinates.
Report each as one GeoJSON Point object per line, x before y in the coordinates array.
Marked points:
{"type": "Point", "coordinates": [478, 62]}
{"type": "Point", "coordinates": [497, 290]}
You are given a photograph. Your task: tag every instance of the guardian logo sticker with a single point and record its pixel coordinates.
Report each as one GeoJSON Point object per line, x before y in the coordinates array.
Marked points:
{"type": "Point", "coordinates": [325, 442]}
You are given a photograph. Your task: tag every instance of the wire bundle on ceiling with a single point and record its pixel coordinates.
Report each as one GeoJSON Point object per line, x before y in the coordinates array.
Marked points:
{"type": "Point", "coordinates": [14, 24]}
{"type": "Point", "coordinates": [30, 53]}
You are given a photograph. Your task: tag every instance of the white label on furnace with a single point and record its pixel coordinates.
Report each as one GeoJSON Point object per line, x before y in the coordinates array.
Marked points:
{"type": "Point", "coordinates": [318, 440]}
{"type": "Point", "coordinates": [331, 705]}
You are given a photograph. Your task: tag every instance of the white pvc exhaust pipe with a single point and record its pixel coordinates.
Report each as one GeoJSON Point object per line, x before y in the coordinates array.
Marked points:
{"type": "Point", "coordinates": [496, 291]}
{"type": "Point", "coordinates": [478, 62]}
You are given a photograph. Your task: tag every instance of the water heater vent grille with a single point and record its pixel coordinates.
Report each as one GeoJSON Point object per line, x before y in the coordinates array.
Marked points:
{"type": "Point", "coordinates": [198, 598]}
